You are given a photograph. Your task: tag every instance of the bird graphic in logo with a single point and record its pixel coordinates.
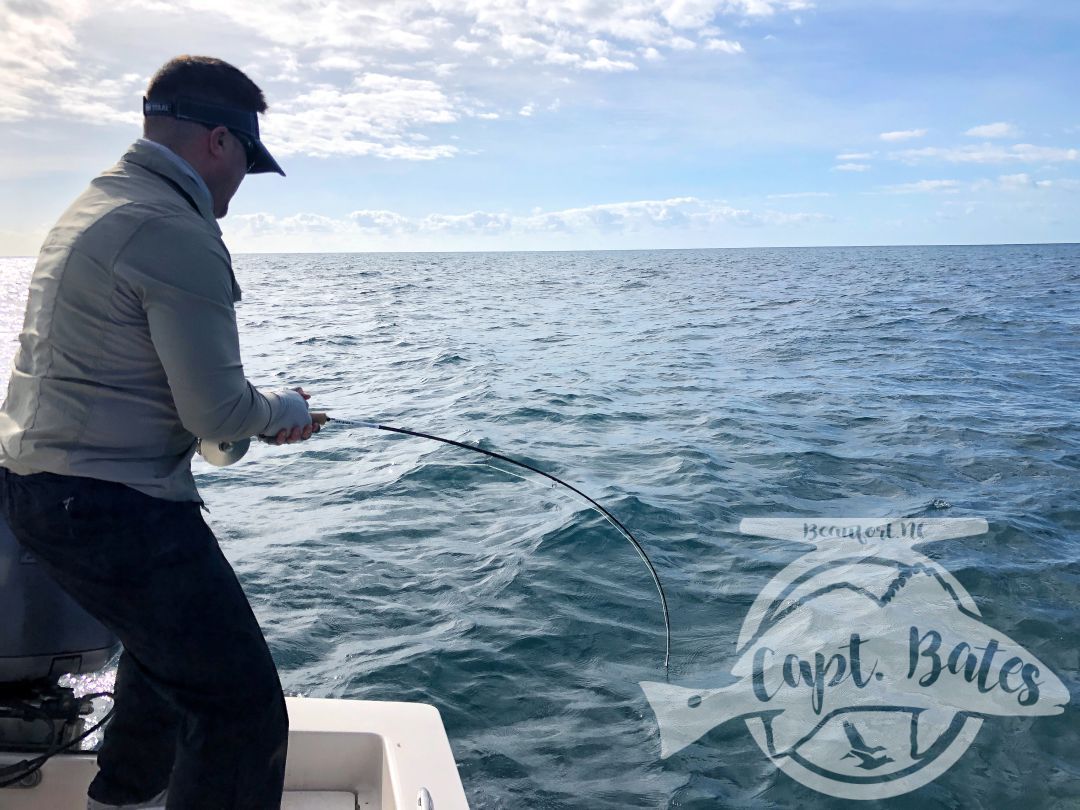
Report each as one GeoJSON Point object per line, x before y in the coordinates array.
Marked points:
{"type": "Point", "coordinates": [862, 751]}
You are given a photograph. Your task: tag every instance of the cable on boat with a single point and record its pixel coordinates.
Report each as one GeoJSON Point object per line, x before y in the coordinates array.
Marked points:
{"type": "Point", "coordinates": [27, 767]}
{"type": "Point", "coordinates": [614, 521]}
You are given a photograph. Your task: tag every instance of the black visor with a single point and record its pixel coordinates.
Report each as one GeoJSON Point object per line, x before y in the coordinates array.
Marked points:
{"type": "Point", "coordinates": [186, 109]}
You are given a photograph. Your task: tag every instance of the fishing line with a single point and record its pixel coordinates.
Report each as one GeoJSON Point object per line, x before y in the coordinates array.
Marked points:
{"type": "Point", "coordinates": [614, 521]}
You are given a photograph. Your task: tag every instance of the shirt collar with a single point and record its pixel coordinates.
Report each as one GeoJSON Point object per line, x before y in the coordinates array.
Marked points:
{"type": "Point", "coordinates": [184, 166]}
{"type": "Point", "coordinates": [164, 161]}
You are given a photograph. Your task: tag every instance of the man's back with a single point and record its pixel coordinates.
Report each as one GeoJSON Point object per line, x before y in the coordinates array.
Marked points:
{"type": "Point", "coordinates": [129, 350]}
{"type": "Point", "coordinates": [107, 350]}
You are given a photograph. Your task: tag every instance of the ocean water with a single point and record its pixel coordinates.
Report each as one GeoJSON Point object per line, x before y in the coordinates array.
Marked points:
{"type": "Point", "coordinates": [685, 390]}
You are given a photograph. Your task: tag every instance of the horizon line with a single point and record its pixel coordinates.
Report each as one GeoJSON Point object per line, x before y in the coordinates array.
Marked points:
{"type": "Point", "coordinates": [628, 250]}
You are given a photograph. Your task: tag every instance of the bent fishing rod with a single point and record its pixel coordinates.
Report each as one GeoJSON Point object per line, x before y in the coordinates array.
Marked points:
{"type": "Point", "coordinates": [225, 453]}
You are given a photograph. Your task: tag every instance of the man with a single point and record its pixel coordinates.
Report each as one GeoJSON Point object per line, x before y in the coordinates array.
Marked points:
{"type": "Point", "coordinates": [129, 351]}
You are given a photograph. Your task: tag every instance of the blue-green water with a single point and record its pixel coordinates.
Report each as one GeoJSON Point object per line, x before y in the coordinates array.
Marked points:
{"type": "Point", "coordinates": [685, 390]}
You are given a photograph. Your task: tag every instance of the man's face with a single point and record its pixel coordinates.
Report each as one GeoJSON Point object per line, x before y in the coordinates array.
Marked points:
{"type": "Point", "coordinates": [233, 168]}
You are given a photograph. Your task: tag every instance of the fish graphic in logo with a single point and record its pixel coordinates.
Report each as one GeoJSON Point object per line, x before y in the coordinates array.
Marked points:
{"type": "Point", "coordinates": [864, 670]}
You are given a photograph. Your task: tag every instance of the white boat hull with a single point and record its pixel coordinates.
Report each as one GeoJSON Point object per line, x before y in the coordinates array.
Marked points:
{"type": "Point", "coordinates": [343, 755]}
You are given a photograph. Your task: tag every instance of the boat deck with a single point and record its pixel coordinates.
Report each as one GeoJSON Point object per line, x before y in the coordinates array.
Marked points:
{"type": "Point", "coordinates": [343, 755]}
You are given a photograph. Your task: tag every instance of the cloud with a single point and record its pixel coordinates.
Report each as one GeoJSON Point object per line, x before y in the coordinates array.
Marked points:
{"type": "Point", "coordinates": [56, 63]}
{"type": "Point", "coordinates": [1016, 181]}
{"type": "Point", "coordinates": [376, 115]}
{"type": "Point", "coordinates": [923, 187]}
{"type": "Point", "coordinates": [723, 45]}
{"type": "Point", "coordinates": [379, 221]}
{"type": "Point", "coordinates": [475, 222]}
{"type": "Point", "coordinates": [1023, 181]}
{"type": "Point", "coordinates": [902, 135]}
{"type": "Point", "coordinates": [266, 224]}
{"type": "Point", "coordinates": [848, 156]}
{"type": "Point", "coordinates": [851, 167]}
{"type": "Point", "coordinates": [1067, 183]}
{"type": "Point", "coordinates": [45, 75]}
{"type": "Point", "coordinates": [698, 13]}
{"type": "Point", "coordinates": [608, 65]}
{"type": "Point", "coordinates": [796, 195]}
{"type": "Point", "coordinates": [989, 153]}
{"type": "Point", "coordinates": [999, 130]}
{"type": "Point", "coordinates": [527, 110]}
{"type": "Point", "coordinates": [466, 46]}
{"type": "Point", "coordinates": [690, 213]}
{"type": "Point", "coordinates": [339, 61]}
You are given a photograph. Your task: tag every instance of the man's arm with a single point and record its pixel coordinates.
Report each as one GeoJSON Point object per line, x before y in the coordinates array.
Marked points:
{"type": "Point", "coordinates": [182, 276]}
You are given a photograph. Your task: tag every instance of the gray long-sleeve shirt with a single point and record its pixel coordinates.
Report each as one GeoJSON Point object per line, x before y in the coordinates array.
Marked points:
{"type": "Point", "coordinates": [129, 348]}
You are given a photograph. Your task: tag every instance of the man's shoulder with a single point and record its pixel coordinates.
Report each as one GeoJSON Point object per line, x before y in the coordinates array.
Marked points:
{"type": "Point", "coordinates": [118, 205]}
{"type": "Point", "coordinates": [137, 195]}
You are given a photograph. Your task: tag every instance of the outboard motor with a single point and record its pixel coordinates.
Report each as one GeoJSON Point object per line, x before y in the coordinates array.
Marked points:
{"type": "Point", "coordinates": [44, 634]}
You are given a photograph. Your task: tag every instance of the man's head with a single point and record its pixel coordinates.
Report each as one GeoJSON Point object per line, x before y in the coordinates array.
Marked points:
{"type": "Point", "coordinates": [206, 111]}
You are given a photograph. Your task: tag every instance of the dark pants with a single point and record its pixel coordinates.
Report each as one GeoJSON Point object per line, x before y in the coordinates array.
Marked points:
{"type": "Point", "coordinates": [199, 707]}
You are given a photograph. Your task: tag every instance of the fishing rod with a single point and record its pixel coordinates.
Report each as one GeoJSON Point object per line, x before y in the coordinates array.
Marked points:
{"type": "Point", "coordinates": [229, 452]}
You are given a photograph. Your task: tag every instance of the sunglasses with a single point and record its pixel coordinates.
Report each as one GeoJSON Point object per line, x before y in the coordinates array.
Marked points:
{"type": "Point", "coordinates": [249, 145]}
{"type": "Point", "coordinates": [249, 148]}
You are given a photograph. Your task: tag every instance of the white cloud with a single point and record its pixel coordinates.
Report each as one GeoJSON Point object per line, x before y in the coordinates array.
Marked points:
{"type": "Point", "coordinates": [475, 222]}
{"type": "Point", "coordinates": [923, 187]}
{"type": "Point", "coordinates": [59, 61]}
{"type": "Point", "coordinates": [466, 46]}
{"type": "Point", "coordinates": [1067, 183]}
{"type": "Point", "coordinates": [599, 47]}
{"type": "Point", "coordinates": [689, 213]}
{"type": "Point", "coordinates": [570, 28]}
{"type": "Point", "coordinates": [262, 224]}
{"type": "Point", "coordinates": [796, 195]}
{"type": "Point", "coordinates": [902, 134]}
{"type": "Point", "coordinates": [847, 156]}
{"type": "Point", "coordinates": [377, 115]}
{"type": "Point", "coordinates": [851, 167]}
{"type": "Point", "coordinates": [1001, 129]}
{"type": "Point", "coordinates": [698, 13]}
{"type": "Point", "coordinates": [1021, 181]}
{"type": "Point", "coordinates": [606, 65]}
{"type": "Point", "coordinates": [338, 61]}
{"type": "Point", "coordinates": [398, 40]}
{"type": "Point", "coordinates": [989, 153]}
{"type": "Point", "coordinates": [527, 110]}
{"type": "Point", "coordinates": [521, 47]}
{"type": "Point", "coordinates": [723, 45]}
{"type": "Point", "coordinates": [1024, 182]}
{"type": "Point", "coordinates": [1016, 181]}
{"type": "Point", "coordinates": [45, 76]}
{"type": "Point", "coordinates": [379, 221]}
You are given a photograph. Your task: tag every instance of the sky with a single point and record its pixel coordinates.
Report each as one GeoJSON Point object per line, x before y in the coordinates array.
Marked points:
{"type": "Point", "coordinates": [577, 124]}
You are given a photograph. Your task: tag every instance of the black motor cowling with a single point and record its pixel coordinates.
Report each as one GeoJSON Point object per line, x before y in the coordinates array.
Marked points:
{"type": "Point", "coordinates": [43, 633]}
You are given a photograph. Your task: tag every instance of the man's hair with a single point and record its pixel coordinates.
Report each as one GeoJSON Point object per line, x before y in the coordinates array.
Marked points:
{"type": "Point", "coordinates": [204, 78]}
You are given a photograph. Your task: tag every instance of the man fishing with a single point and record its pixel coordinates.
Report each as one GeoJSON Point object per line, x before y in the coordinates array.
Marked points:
{"type": "Point", "coordinates": [129, 351]}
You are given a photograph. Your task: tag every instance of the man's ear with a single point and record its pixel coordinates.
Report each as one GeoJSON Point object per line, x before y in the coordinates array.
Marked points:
{"type": "Point", "coordinates": [217, 141]}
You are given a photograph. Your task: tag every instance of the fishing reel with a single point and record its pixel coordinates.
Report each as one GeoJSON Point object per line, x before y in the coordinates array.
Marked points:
{"type": "Point", "coordinates": [222, 454]}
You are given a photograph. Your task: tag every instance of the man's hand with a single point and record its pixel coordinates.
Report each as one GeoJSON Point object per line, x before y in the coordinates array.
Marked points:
{"type": "Point", "coordinates": [298, 434]}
